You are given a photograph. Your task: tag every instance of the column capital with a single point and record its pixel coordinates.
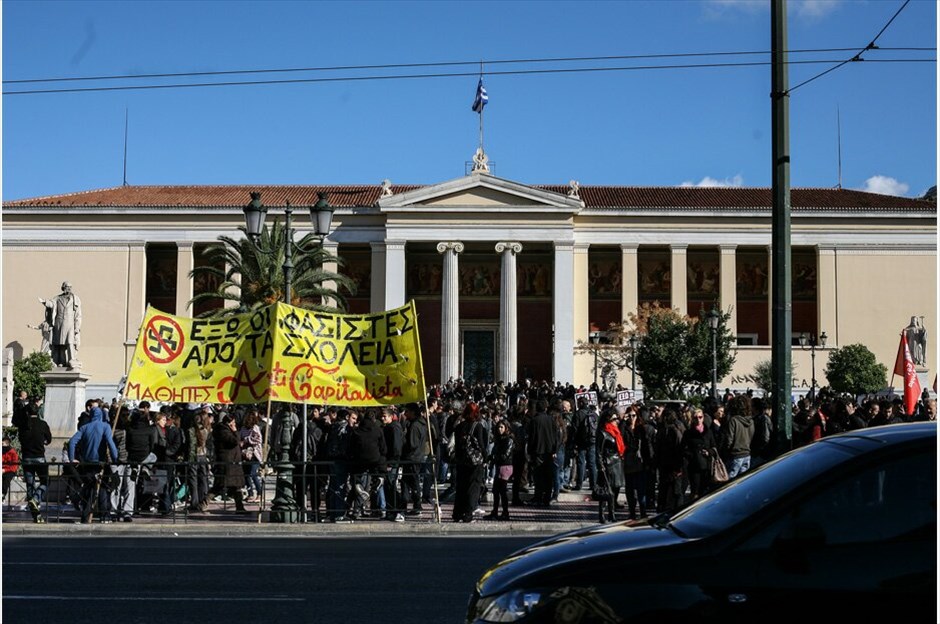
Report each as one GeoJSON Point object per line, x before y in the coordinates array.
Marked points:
{"type": "Point", "coordinates": [397, 245]}
{"type": "Point", "coordinates": [727, 248]}
{"type": "Point", "coordinates": [185, 244]}
{"type": "Point", "coordinates": [678, 247]}
{"type": "Point", "coordinates": [331, 245]}
{"type": "Point", "coordinates": [825, 250]}
{"type": "Point", "coordinates": [580, 248]}
{"type": "Point", "coordinates": [629, 247]}
{"type": "Point", "coordinates": [512, 247]}
{"type": "Point", "coordinates": [377, 245]}
{"type": "Point", "coordinates": [455, 246]}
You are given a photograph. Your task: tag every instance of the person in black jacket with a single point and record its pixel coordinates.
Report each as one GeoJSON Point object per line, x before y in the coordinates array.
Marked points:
{"type": "Point", "coordinates": [229, 454]}
{"type": "Point", "coordinates": [543, 445]}
{"type": "Point", "coordinates": [367, 458]}
{"type": "Point", "coordinates": [394, 439]}
{"type": "Point", "coordinates": [699, 449]}
{"type": "Point", "coordinates": [414, 454]}
{"type": "Point", "coordinates": [470, 463]}
{"type": "Point", "coordinates": [305, 480]}
{"type": "Point", "coordinates": [610, 449]}
{"type": "Point", "coordinates": [503, 450]}
{"type": "Point", "coordinates": [34, 436]}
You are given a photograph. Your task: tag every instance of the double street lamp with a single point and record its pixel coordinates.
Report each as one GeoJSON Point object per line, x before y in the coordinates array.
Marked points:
{"type": "Point", "coordinates": [284, 506]}
{"type": "Point", "coordinates": [713, 318]}
{"type": "Point", "coordinates": [812, 342]}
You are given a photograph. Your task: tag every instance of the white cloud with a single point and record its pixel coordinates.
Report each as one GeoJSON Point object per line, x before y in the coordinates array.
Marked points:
{"type": "Point", "coordinates": [711, 182]}
{"type": "Point", "coordinates": [883, 185]}
{"type": "Point", "coordinates": [806, 9]}
{"type": "Point", "coordinates": [814, 8]}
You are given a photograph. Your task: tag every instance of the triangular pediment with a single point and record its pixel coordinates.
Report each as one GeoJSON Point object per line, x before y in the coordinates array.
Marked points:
{"type": "Point", "coordinates": [479, 191]}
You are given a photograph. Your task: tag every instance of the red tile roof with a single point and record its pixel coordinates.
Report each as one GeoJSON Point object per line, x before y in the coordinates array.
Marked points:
{"type": "Point", "coordinates": [661, 197]}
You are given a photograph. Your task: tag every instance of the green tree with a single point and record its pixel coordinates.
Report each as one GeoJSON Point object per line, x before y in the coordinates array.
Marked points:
{"type": "Point", "coordinates": [854, 369]}
{"type": "Point", "coordinates": [674, 354]}
{"type": "Point", "coordinates": [26, 373]}
{"type": "Point", "coordinates": [253, 279]}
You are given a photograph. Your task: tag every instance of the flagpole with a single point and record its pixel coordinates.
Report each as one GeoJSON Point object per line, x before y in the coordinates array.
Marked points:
{"type": "Point", "coordinates": [481, 111]}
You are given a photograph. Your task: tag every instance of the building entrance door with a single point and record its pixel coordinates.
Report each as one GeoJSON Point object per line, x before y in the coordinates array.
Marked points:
{"type": "Point", "coordinates": [479, 355]}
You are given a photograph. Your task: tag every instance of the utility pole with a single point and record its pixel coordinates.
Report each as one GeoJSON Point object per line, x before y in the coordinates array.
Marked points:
{"type": "Point", "coordinates": [781, 299]}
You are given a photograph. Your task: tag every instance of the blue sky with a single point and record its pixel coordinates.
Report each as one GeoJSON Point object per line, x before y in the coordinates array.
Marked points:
{"type": "Point", "coordinates": [663, 127]}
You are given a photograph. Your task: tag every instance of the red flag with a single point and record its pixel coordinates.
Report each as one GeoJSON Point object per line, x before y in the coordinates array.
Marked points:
{"type": "Point", "coordinates": [904, 366]}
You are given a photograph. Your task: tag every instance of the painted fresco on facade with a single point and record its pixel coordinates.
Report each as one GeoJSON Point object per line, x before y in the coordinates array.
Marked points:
{"type": "Point", "coordinates": [605, 275]}
{"type": "Point", "coordinates": [702, 280]}
{"type": "Point", "coordinates": [752, 276]}
{"type": "Point", "coordinates": [534, 275]}
{"type": "Point", "coordinates": [479, 275]}
{"type": "Point", "coordinates": [654, 276]}
{"type": "Point", "coordinates": [357, 266]}
{"type": "Point", "coordinates": [804, 276]}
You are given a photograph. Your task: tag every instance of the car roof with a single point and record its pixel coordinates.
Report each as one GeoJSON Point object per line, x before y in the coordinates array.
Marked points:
{"type": "Point", "coordinates": [885, 435]}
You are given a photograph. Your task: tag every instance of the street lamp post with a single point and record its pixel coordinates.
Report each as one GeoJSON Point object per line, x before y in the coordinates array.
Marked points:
{"type": "Point", "coordinates": [634, 341]}
{"type": "Point", "coordinates": [284, 506]}
{"type": "Point", "coordinates": [595, 338]}
{"type": "Point", "coordinates": [812, 342]}
{"type": "Point", "coordinates": [713, 318]}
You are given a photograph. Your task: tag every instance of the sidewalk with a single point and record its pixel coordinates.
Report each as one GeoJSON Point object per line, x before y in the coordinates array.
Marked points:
{"type": "Point", "coordinates": [574, 510]}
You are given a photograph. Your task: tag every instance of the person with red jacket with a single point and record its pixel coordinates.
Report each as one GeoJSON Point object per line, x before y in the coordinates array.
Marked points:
{"type": "Point", "coordinates": [11, 463]}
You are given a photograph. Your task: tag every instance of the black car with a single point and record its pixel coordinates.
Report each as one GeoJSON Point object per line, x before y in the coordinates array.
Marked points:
{"type": "Point", "coordinates": [842, 529]}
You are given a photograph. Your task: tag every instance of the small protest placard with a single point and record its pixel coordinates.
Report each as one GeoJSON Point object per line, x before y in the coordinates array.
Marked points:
{"type": "Point", "coordinates": [586, 398]}
{"type": "Point", "coordinates": [625, 398]}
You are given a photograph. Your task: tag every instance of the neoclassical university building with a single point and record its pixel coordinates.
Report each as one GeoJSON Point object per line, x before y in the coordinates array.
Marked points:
{"type": "Point", "coordinates": [508, 278]}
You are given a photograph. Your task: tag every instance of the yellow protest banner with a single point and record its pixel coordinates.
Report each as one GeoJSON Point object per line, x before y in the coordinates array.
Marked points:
{"type": "Point", "coordinates": [282, 352]}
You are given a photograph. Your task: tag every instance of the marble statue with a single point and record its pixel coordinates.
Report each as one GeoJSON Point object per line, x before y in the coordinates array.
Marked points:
{"type": "Point", "coordinates": [64, 313]}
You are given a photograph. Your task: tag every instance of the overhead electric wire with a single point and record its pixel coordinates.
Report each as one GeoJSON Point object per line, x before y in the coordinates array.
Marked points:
{"type": "Point", "coordinates": [858, 56]}
{"type": "Point", "coordinates": [572, 59]}
{"type": "Point", "coordinates": [438, 75]}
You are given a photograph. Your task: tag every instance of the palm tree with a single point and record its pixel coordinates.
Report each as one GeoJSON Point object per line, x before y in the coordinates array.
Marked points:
{"type": "Point", "coordinates": [254, 279]}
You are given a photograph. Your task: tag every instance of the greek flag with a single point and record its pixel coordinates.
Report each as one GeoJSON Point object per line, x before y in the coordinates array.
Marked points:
{"type": "Point", "coordinates": [481, 99]}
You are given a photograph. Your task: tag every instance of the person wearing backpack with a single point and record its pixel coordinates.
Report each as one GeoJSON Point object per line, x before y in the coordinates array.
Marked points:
{"type": "Point", "coordinates": [470, 463]}
{"type": "Point", "coordinates": [585, 434]}
{"type": "Point", "coordinates": [414, 454]}
{"type": "Point", "coordinates": [337, 445]}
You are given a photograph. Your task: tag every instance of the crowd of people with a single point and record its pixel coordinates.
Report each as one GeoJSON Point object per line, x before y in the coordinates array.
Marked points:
{"type": "Point", "coordinates": [494, 447]}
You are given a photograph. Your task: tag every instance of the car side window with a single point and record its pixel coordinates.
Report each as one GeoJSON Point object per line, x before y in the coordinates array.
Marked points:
{"type": "Point", "coordinates": [891, 501]}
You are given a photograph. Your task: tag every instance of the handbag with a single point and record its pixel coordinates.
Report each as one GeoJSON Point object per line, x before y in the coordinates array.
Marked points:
{"type": "Point", "coordinates": [718, 471]}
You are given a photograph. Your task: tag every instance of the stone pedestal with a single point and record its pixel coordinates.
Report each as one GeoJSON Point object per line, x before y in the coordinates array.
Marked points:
{"type": "Point", "coordinates": [922, 376]}
{"type": "Point", "coordinates": [64, 401]}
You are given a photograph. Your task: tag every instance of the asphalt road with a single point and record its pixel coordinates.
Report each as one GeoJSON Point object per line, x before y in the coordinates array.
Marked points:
{"type": "Point", "coordinates": [240, 580]}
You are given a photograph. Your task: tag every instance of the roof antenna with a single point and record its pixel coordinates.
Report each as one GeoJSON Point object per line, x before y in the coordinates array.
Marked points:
{"type": "Point", "coordinates": [839, 134]}
{"type": "Point", "coordinates": [125, 146]}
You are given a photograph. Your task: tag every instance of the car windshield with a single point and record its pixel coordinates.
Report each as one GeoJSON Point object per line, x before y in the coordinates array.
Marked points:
{"type": "Point", "coordinates": [745, 496]}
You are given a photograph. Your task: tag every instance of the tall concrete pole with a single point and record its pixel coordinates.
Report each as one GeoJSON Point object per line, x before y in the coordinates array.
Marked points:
{"type": "Point", "coordinates": [781, 299]}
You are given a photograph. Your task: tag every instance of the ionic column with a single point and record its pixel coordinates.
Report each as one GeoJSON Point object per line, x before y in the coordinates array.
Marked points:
{"type": "Point", "coordinates": [184, 283]}
{"type": "Point", "coordinates": [394, 274]}
{"type": "Point", "coordinates": [629, 281]}
{"type": "Point", "coordinates": [377, 293]}
{"type": "Point", "coordinates": [563, 313]}
{"type": "Point", "coordinates": [507, 311]}
{"type": "Point", "coordinates": [728, 284]}
{"type": "Point", "coordinates": [450, 311]}
{"type": "Point", "coordinates": [679, 293]}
